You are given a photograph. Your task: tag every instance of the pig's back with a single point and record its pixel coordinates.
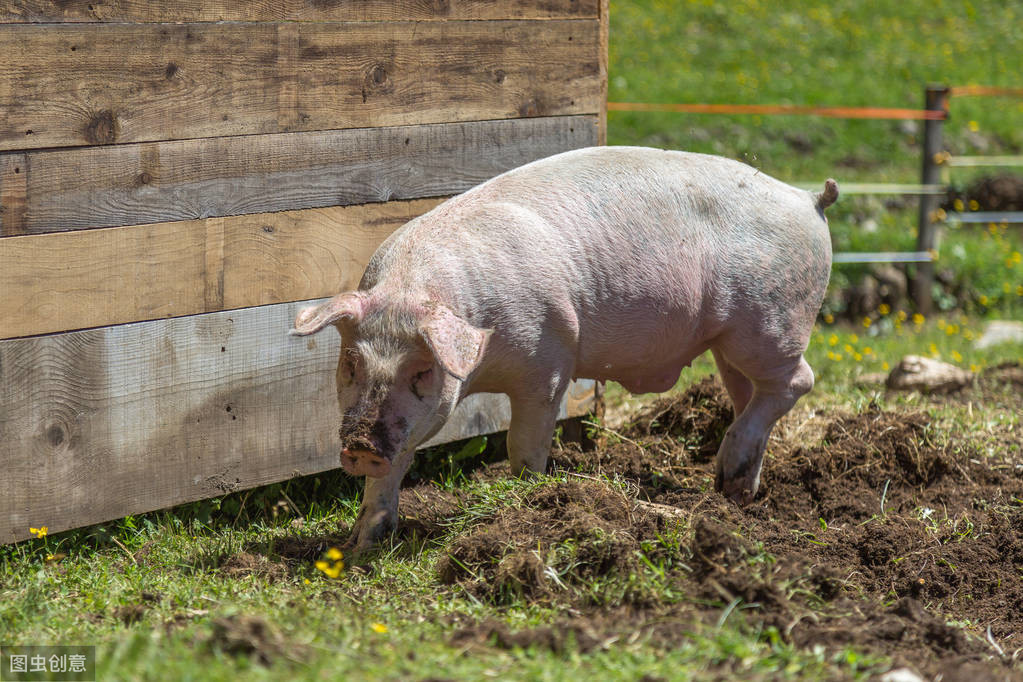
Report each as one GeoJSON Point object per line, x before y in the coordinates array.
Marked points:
{"type": "Point", "coordinates": [647, 247]}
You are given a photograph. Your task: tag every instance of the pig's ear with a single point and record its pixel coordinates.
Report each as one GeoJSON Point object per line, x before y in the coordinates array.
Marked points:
{"type": "Point", "coordinates": [457, 345]}
{"type": "Point", "coordinates": [314, 318]}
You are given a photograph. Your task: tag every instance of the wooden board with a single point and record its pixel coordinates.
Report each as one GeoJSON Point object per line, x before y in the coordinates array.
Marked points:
{"type": "Point", "coordinates": [164, 181]}
{"type": "Point", "coordinates": [289, 10]}
{"type": "Point", "coordinates": [91, 278]}
{"type": "Point", "coordinates": [122, 420]}
{"type": "Point", "coordinates": [91, 84]}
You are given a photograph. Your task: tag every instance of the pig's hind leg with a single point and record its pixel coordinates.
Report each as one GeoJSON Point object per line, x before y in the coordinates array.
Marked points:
{"type": "Point", "coordinates": [741, 455]}
{"type": "Point", "coordinates": [739, 387]}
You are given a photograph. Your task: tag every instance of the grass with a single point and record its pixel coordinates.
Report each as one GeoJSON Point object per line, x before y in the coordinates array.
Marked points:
{"type": "Point", "coordinates": [153, 594]}
{"type": "Point", "coordinates": [841, 53]}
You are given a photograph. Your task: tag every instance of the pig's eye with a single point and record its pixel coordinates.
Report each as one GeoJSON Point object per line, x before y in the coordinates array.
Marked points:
{"type": "Point", "coordinates": [421, 377]}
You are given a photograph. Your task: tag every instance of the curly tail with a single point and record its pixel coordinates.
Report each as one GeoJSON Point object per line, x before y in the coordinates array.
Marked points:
{"type": "Point", "coordinates": [829, 195]}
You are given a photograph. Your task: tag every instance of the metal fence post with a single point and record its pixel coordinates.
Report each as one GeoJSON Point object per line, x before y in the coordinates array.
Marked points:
{"type": "Point", "coordinates": [936, 99]}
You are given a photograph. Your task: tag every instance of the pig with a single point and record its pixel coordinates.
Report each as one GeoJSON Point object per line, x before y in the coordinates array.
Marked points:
{"type": "Point", "coordinates": [607, 263]}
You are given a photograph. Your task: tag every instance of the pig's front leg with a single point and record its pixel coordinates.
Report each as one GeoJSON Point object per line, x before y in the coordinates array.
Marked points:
{"type": "Point", "coordinates": [530, 433]}
{"type": "Point", "coordinates": [378, 513]}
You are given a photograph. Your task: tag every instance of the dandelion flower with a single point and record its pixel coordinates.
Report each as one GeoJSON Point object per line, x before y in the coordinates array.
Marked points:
{"type": "Point", "coordinates": [833, 340]}
{"type": "Point", "coordinates": [974, 205]}
{"type": "Point", "coordinates": [334, 554]}
{"type": "Point", "coordinates": [982, 300]}
{"type": "Point", "coordinates": [379, 628]}
{"type": "Point", "coordinates": [901, 315]}
{"type": "Point", "coordinates": [957, 356]}
{"type": "Point", "coordinates": [933, 350]}
{"type": "Point", "coordinates": [974, 126]}
{"type": "Point", "coordinates": [829, 318]}
{"type": "Point", "coordinates": [958, 205]}
{"type": "Point", "coordinates": [847, 348]}
{"type": "Point", "coordinates": [918, 319]}
{"type": "Point", "coordinates": [884, 308]}
{"type": "Point", "coordinates": [857, 357]}
{"type": "Point", "coordinates": [39, 532]}
{"type": "Point", "coordinates": [974, 368]}
{"type": "Point", "coordinates": [884, 366]}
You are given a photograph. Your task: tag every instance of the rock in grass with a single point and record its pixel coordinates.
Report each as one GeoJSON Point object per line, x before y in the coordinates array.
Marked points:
{"type": "Point", "coordinates": [998, 332]}
{"type": "Point", "coordinates": [917, 373]}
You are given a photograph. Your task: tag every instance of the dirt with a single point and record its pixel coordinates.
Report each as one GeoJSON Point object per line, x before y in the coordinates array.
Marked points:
{"type": "Point", "coordinates": [1002, 192]}
{"type": "Point", "coordinates": [251, 636]}
{"type": "Point", "coordinates": [875, 530]}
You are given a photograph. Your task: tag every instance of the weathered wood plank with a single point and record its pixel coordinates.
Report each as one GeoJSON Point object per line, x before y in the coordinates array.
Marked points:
{"type": "Point", "coordinates": [22, 11]}
{"type": "Point", "coordinates": [89, 278]}
{"type": "Point", "coordinates": [164, 181]}
{"type": "Point", "coordinates": [13, 194]}
{"type": "Point", "coordinates": [122, 420]}
{"type": "Point", "coordinates": [89, 84]}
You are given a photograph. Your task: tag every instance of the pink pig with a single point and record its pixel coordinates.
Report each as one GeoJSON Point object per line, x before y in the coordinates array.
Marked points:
{"type": "Point", "coordinates": [609, 263]}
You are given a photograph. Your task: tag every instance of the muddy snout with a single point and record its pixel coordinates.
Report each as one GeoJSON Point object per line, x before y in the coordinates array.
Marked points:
{"type": "Point", "coordinates": [360, 456]}
{"type": "Point", "coordinates": [364, 463]}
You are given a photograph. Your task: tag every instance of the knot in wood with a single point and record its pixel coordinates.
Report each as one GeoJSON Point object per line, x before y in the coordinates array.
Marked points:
{"type": "Point", "coordinates": [102, 128]}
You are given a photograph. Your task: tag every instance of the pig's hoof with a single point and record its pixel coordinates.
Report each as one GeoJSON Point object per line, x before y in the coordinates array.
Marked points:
{"type": "Point", "coordinates": [369, 530]}
{"type": "Point", "coordinates": [737, 489]}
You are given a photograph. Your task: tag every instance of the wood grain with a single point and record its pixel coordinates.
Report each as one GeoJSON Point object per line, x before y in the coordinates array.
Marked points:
{"type": "Point", "coordinates": [102, 423]}
{"type": "Point", "coordinates": [136, 11]}
{"type": "Point", "coordinates": [164, 181]}
{"type": "Point", "coordinates": [13, 194]}
{"type": "Point", "coordinates": [89, 278]}
{"type": "Point", "coordinates": [93, 84]}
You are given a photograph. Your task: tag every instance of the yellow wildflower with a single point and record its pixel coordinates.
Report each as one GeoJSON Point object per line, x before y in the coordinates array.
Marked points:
{"type": "Point", "coordinates": [958, 204]}
{"type": "Point", "coordinates": [829, 318]}
{"type": "Point", "coordinates": [974, 205]}
{"type": "Point", "coordinates": [867, 350]}
{"type": "Point", "coordinates": [957, 356]}
{"type": "Point", "coordinates": [901, 315]}
{"type": "Point", "coordinates": [847, 348]}
{"type": "Point", "coordinates": [974, 126]}
{"type": "Point", "coordinates": [854, 339]}
{"type": "Point", "coordinates": [867, 322]}
{"type": "Point", "coordinates": [379, 628]}
{"type": "Point", "coordinates": [982, 300]}
{"type": "Point", "coordinates": [941, 324]}
{"type": "Point", "coordinates": [884, 308]}
{"type": "Point", "coordinates": [974, 368]}
{"type": "Point", "coordinates": [1019, 290]}
{"type": "Point", "coordinates": [334, 554]}
{"type": "Point", "coordinates": [330, 569]}
{"type": "Point", "coordinates": [933, 350]}
{"type": "Point", "coordinates": [833, 340]}
{"type": "Point", "coordinates": [39, 532]}
{"type": "Point", "coordinates": [884, 366]}
{"type": "Point", "coordinates": [857, 357]}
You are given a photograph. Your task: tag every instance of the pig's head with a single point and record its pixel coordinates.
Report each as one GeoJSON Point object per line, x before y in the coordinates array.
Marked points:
{"type": "Point", "coordinates": [399, 375]}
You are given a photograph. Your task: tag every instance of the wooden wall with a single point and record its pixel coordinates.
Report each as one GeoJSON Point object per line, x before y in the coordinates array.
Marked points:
{"type": "Point", "coordinates": [177, 179]}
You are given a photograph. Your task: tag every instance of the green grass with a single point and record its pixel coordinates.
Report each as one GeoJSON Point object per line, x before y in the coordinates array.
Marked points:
{"type": "Point", "coordinates": [841, 53]}
{"type": "Point", "coordinates": [74, 588]}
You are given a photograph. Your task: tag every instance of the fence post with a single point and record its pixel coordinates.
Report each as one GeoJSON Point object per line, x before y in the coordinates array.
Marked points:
{"type": "Point", "coordinates": [936, 99]}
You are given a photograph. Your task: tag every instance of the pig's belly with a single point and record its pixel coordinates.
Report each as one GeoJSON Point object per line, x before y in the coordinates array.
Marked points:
{"type": "Point", "coordinates": [645, 374]}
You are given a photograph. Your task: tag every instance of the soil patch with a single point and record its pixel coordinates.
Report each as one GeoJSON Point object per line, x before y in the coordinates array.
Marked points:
{"type": "Point", "coordinates": [245, 564]}
{"type": "Point", "coordinates": [873, 530]}
{"type": "Point", "coordinates": [245, 635]}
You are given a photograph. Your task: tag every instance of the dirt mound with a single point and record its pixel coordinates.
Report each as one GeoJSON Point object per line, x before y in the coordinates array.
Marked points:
{"type": "Point", "coordinates": [425, 510]}
{"type": "Point", "coordinates": [1002, 192]}
{"type": "Point", "coordinates": [244, 635]}
{"type": "Point", "coordinates": [699, 417]}
{"type": "Point", "coordinates": [667, 444]}
{"type": "Point", "coordinates": [880, 532]}
{"type": "Point", "coordinates": [245, 564]}
{"type": "Point", "coordinates": [573, 531]}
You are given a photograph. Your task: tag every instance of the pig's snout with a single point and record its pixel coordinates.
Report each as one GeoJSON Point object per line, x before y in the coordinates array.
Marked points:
{"type": "Point", "coordinates": [361, 462]}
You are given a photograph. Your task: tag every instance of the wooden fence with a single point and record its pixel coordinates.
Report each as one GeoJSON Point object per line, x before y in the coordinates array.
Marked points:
{"type": "Point", "coordinates": [178, 179]}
